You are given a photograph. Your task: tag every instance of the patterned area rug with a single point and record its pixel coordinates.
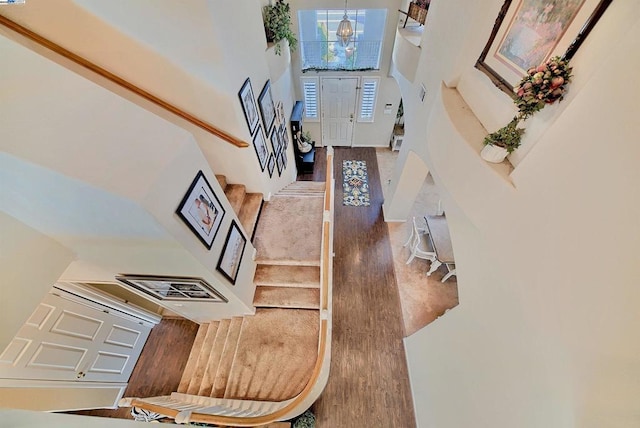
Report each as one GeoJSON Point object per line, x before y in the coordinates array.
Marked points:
{"type": "Point", "coordinates": [355, 183]}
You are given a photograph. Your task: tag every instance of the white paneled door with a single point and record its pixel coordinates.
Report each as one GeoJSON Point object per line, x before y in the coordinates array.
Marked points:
{"type": "Point", "coordinates": [339, 96]}
{"type": "Point", "coordinates": [71, 341]}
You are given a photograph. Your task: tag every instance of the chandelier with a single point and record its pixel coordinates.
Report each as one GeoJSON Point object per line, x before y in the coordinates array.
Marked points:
{"type": "Point", "coordinates": [345, 31]}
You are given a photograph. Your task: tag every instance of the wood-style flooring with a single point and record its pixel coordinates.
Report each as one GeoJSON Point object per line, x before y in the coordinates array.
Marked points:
{"type": "Point", "coordinates": [368, 383]}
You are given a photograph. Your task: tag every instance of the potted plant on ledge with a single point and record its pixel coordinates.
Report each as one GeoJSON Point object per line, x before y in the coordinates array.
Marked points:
{"type": "Point", "coordinates": [277, 25]}
{"type": "Point", "coordinates": [543, 85]}
{"type": "Point", "coordinates": [501, 143]}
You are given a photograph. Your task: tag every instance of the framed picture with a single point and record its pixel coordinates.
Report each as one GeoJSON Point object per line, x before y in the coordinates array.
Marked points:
{"type": "Point", "coordinates": [249, 105]}
{"type": "Point", "coordinates": [275, 141]}
{"type": "Point", "coordinates": [232, 251]}
{"type": "Point", "coordinates": [201, 210]}
{"type": "Point", "coordinates": [284, 138]}
{"type": "Point", "coordinates": [271, 164]}
{"type": "Point", "coordinates": [173, 287]}
{"type": "Point", "coordinates": [260, 145]}
{"type": "Point", "coordinates": [267, 109]}
{"type": "Point", "coordinates": [280, 120]}
{"type": "Point", "coordinates": [280, 161]}
{"type": "Point", "coordinates": [529, 32]}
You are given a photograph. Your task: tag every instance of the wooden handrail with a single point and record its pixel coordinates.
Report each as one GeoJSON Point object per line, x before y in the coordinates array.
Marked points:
{"type": "Point", "coordinates": [238, 421]}
{"type": "Point", "coordinates": [327, 183]}
{"type": "Point", "coordinates": [42, 41]}
{"type": "Point", "coordinates": [327, 233]}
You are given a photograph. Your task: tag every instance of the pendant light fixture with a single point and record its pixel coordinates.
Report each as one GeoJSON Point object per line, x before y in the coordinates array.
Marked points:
{"type": "Point", "coordinates": [345, 31]}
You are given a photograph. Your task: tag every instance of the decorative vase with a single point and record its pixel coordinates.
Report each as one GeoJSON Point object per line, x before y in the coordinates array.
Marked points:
{"type": "Point", "coordinates": [493, 154]}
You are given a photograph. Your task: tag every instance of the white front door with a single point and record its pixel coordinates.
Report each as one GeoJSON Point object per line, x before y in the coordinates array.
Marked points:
{"type": "Point", "coordinates": [68, 340]}
{"type": "Point", "coordinates": [339, 96]}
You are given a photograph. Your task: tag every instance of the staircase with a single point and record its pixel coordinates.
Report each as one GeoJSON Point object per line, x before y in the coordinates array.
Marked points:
{"type": "Point", "coordinates": [270, 366]}
{"type": "Point", "coordinates": [288, 270]}
{"type": "Point", "coordinates": [269, 355]}
{"type": "Point", "coordinates": [247, 206]}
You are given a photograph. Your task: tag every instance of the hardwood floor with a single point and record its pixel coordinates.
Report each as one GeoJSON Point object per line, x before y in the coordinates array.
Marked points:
{"type": "Point", "coordinates": [368, 383]}
{"type": "Point", "coordinates": [160, 366]}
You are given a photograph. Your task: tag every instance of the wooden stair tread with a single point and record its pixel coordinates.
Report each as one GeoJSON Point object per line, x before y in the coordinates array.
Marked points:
{"type": "Point", "coordinates": [214, 358]}
{"type": "Point", "coordinates": [287, 297]}
{"type": "Point", "coordinates": [288, 276]}
{"type": "Point", "coordinates": [235, 194]}
{"type": "Point", "coordinates": [190, 368]}
{"type": "Point", "coordinates": [250, 211]}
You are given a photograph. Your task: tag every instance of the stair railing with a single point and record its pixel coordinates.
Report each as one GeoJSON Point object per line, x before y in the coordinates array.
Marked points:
{"type": "Point", "coordinates": [186, 408]}
{"type": "Point", "coordinates": [83, 62]}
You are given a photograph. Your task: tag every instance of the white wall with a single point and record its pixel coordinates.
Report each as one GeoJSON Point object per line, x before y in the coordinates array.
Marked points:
{"type": "Point", "coordinates": [200, 70]}
{"type": "Point", "coordinates": [546, 331]}
{"type": "Point", "coordinates": [104, 177]}
{"type": "Point", "coordinates": [30, 263]}
{"type": "Point", "coordinates": [49, 396]}
{"type": "Point", "coordinates": [21, 418]}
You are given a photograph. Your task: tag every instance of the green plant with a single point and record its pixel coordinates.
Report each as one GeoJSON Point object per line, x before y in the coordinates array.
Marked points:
{"type": "Point", "coordinates": [277, 25]}
{"type": "Point", "coordinates": [305, 420]}
{"type": "Point", "coordinates": [507, 137]}
{"type": "Point", "coordinates": [542, 85]}
{"type": "Point", "coordinates": [305, 136]}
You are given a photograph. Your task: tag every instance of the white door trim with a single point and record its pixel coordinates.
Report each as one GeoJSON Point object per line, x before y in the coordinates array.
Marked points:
{"type": "Point", "coordinates": [90, 296]}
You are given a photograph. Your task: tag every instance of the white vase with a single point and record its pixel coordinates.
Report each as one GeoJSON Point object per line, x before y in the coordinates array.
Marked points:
{"type": "Point", "coordinates": [494, 154]}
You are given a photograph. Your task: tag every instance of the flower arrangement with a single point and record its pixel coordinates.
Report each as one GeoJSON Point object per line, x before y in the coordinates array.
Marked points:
{"type": "Point", "coordinates": [542, 85]}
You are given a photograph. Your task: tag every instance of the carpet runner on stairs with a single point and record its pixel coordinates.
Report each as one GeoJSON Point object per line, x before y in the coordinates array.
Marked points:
{"type": "Point", "coordinates": [288, 276]}
{"type": "Point", "coordinates": [267, 356]}
{"type": "Point", "coordinates": [287, 286]}
{"type": "Point", "coordinates": [289, 231]}
{"type": "Point", "coordinates": [247, 206]}
{"type": "Point", "coordinates": [270, 355]}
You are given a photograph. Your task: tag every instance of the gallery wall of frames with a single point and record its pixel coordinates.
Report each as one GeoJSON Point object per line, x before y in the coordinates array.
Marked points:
{"type": "Point", "coordinates": [268, 127]}
{"type": "Point", "coordinates": [202, 212]}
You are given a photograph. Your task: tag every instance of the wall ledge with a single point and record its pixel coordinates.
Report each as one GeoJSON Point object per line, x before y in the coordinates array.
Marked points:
{"type": "Point", "coordinates": [468, 126]}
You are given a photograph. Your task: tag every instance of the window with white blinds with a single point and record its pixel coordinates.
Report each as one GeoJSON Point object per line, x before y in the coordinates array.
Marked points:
{"type": "Point", "coordinates": [368, 96]}
{"type": "Point", "coordinates": [310, 87]}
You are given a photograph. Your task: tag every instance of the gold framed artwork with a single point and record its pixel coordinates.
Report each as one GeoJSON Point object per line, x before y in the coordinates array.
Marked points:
{"type": "Point", "coordinates": [529, 32]}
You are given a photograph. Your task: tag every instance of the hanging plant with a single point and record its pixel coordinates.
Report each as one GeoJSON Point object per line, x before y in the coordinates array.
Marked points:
{"type": "Point", "coordinates": [277, 25]}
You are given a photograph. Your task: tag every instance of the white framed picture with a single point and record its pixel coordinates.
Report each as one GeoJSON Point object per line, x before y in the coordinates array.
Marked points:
{"type": "Point", "coordinates": [201, 210]}
{"type": "Point", "coordinates": [173, 287]}
{"type": "Point", "coordinates": [229, 262]}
